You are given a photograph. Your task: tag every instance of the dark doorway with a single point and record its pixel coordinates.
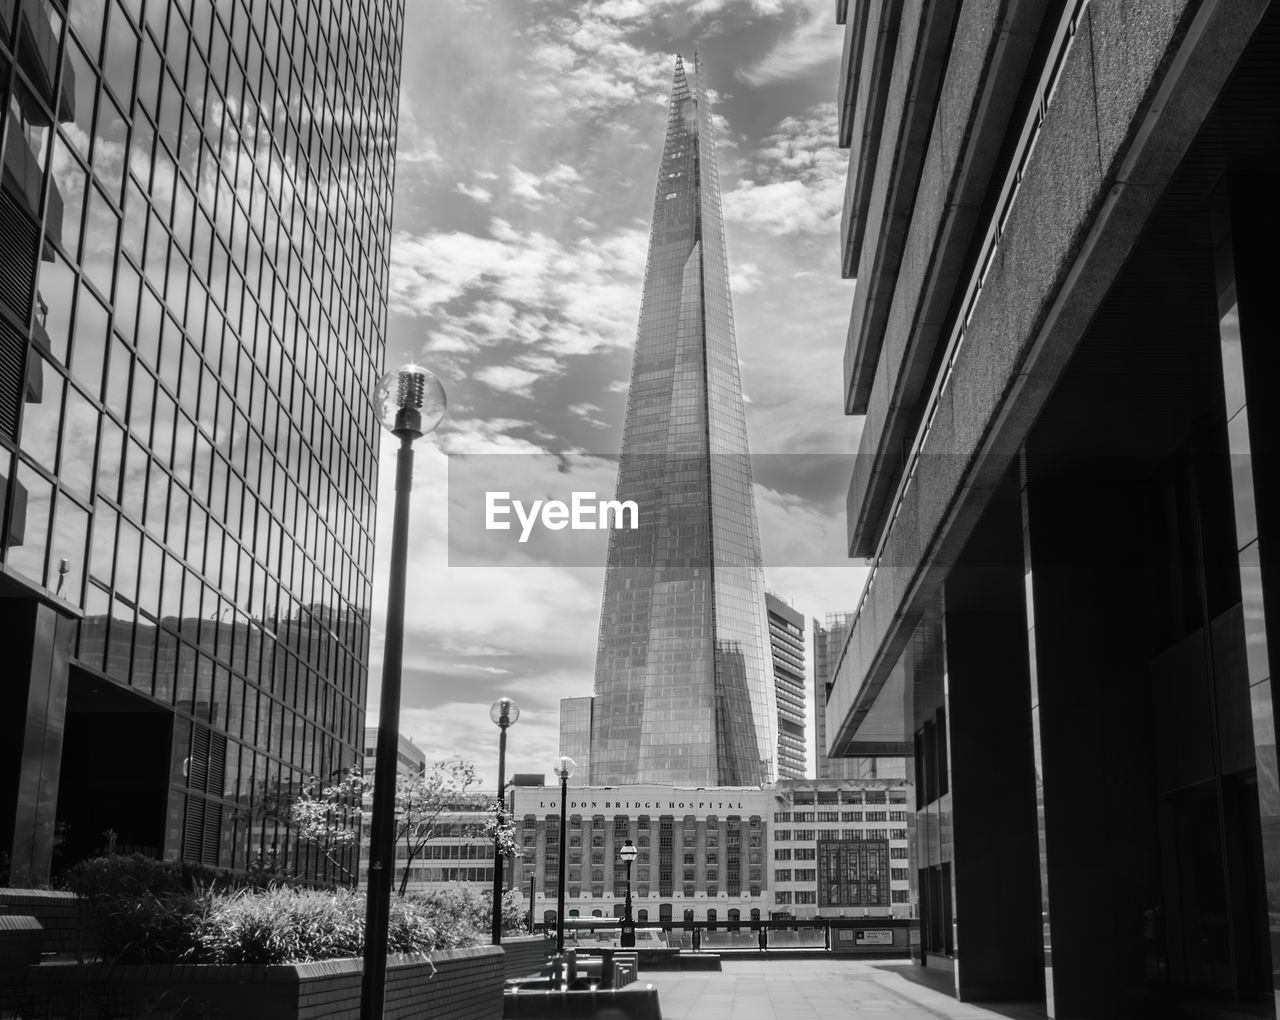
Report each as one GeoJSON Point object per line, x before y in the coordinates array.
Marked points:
{"type": "Point", "coordinates": [115, 772]}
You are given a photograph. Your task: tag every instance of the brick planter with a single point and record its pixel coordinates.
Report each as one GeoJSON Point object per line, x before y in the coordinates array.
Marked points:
{"type": "Point", "coordinates": [456, 984]}
{"type": "Point", "coordinates": [527, 954]}
{"type": "Point", "coordinates": [58, 913]}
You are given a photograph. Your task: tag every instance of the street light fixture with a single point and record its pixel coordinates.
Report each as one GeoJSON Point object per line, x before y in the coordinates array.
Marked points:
{"type": "Point", "coordinates": [504, 712]}
{"type": "Point", "coordinates": [409, 402]}
{"type": "Point", "coordinates": [564, 768]}
{"type": "Point", "coordinates": [628, 853]}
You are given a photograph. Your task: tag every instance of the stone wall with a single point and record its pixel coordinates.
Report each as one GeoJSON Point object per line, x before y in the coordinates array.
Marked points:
{"type": "Point", "coordinates": [459, 984]}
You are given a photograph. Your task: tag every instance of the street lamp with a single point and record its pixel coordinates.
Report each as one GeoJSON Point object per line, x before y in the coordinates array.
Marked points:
{"type": "Point", "coordinates": [504, 712]}
{"type": "Point", "coordinates": [409, 402]}
{"type": "Point", "coordinates": [564, 768]}
{"type": "Point", "coordinates": [628, 854]}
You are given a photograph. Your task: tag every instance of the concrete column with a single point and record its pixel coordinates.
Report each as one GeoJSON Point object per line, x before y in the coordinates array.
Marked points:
{"type": "Point", "coordinates": [1099, 839]}
{"type": "Point", "coordinates": [33, 705]}
{"type": "Point", "coordinates": [995, 866]}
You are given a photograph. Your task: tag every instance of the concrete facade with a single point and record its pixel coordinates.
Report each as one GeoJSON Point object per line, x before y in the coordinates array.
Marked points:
{"type": "Point", "coordinates": [1059, 224]}
{"type": "Point", "coordinates": [722, 854]}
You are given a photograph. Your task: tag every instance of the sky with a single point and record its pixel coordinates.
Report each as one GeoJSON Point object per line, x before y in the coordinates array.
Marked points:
{"type": "Point", "coordinates": [530, 135]}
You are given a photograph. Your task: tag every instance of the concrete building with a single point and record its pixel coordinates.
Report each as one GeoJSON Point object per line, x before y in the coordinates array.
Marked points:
{"type": "Point", "coordinates": [786, 643]}
{"type": "Point", "coordinates": [411, 760]}
{"type": "Point", "coordinates": [192, 312]}
{"type": "Point", "coordinates": [1062, 218]}
{"type": "Point", "coordinates": [800, 848]}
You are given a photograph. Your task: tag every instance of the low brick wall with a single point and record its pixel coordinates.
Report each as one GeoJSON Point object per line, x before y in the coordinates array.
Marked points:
{"type": "Point", "coordinates": [457, 984]}
{"type": "Point", "coordinates": [57, 912]}
{"type": "Point", "coordinates": [527, 954]}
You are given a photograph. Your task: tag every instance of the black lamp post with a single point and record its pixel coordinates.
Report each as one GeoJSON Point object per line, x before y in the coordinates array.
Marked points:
{"type": "Point", "coordinates": [504, 712]}
{"type": "Point", "coordinates": [628, 854]}
{"type": "Point", "coordinates": [565, 767]}
{"type": "Point", "coordinates": [409, 402]}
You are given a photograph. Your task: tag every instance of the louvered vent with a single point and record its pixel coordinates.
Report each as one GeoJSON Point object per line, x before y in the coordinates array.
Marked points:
{"type": "Point", "coordinates": [201, 831]}
{"type": "Point", "coordinates": [193, 828]}
{"type": "Point", "coordinates": [19, 256]}
{"type": "Point", "coordinates": [198, 767]}
{"type": "Point", "coordinates": [13, 347]}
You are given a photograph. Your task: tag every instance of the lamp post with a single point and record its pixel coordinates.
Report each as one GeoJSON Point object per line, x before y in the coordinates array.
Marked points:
{"type": "Point", "coordinates": [409, 402]}
{"type": "Point", "coordinates": [564, 768]}
{"type": "Point", "coordinates": [628, 854]}
{"type": "Point", "coordinates": [504, 712]}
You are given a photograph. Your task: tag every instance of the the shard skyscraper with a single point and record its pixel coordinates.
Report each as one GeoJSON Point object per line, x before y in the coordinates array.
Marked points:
{"type": "Point", "coordinates": [684, 691]}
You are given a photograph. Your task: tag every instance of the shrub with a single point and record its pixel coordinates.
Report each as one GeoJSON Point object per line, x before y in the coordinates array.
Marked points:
{"type": "Point", "coordinates": [293, 926]}
{"type": "Point", "coordinates": [466, 914]}
{"type": "Point", "coordinates": [146, 911]}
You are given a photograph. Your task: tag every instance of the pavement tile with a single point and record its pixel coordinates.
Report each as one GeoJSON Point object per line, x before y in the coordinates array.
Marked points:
{"type": "Point", "coordinates": [817, 989]}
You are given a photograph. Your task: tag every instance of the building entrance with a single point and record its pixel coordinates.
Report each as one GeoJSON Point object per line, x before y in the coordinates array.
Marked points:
{"type": "Point", "coordinates": [113, 790]}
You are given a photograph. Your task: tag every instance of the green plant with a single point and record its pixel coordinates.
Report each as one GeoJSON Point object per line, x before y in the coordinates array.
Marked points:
{"type": "Point", "coordinates": [466, 914]}
{"type": "Point", "coordinates": [296, 926]}
{"type": "Point", "coordinates": [143, 911]}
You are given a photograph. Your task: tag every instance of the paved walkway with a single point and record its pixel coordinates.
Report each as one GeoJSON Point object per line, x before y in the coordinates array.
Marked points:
{"type": "Point", "coordinates": [791, 989]}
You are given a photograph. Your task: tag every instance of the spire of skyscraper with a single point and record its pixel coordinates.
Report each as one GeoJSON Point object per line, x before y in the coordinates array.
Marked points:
{"type": "Point", "coordinates": [683, 689]}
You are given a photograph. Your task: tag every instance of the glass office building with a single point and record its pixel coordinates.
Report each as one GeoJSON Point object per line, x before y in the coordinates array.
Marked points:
{"type": "Point", "coordinates": [196, 211]}
{"type": "Point", "coordinates": [683, 691]}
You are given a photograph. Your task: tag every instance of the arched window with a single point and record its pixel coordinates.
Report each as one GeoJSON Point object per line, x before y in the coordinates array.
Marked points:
{"type": "Point", "coordinates": [643, 916]}
{"type": "Point", "coordinates": [573, 913]}
{"type": "Point", "coordinates": [664, 912]}
{"type": "Point", "coordinates": [711, 915]}
{"type": "Point", "coordinates": [735, 914]}
{"type": "Point", "coordinates": [755, 914]}
{"type": "Point", "coordinates": [688, 914]}
{"type": "Point", "coordinates": [618, 910]}
{"type": "Point", "coordinates": [597, 913]}
{"type": "Point", "coordinates": [548, 917]}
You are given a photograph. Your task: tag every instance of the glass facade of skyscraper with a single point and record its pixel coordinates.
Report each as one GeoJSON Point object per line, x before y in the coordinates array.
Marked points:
{"type": "Point", "coordinates": [684, 692]}
{"type": "Point", "coordinates": [196, 212]}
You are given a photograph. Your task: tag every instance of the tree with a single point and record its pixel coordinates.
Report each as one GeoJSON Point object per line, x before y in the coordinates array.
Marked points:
{"type": "Point", "coordinates": [323, 815]}
{"type": "Point", "coordinates": [326, 817]}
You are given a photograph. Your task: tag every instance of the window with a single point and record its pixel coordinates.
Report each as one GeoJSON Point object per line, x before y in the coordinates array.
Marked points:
{"type": "Point", "coordinates": [782, 855]}
{"type": "Point", "coordinates": [782, 874]}
{"type": "Point", "coordinates": [901, 895]}
{"type": "Point", "coordinates": [806, 874]}
{"type": "Point", "coordinates": [897, 833]}
{"type": "Point", "coordinates": [897, 816]}
{"type": "Point", "coordinates": [805, 834]}
{"type": "Point", "coordinates": [782, 816]}
{"type": "Point", "coordinates": [898, 875]}
{"type": "Point", "coordinates": [828, 816]}
{"type": "Point", "coordinates": [806, 896]}
{"type": "Point", "coordinates": [782, 897]}
{"type": "Point", "coordinates": [782, 835]}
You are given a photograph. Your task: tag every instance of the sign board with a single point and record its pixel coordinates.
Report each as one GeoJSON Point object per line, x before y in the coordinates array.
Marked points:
{"type": "Point", "coordinates": [873, 937]}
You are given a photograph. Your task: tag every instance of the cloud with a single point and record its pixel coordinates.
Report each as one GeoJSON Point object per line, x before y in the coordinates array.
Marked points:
{"type": "Point", "coordinates": [815, 40]}
{"type": "Point", "coordinates": [796, 178]}
{"type": "Point", "coordinates": [563, 297]}
{"type": "Point", "coordinates": [509, 379]}
{"type": "Point", "coordinates": [476, 194]}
